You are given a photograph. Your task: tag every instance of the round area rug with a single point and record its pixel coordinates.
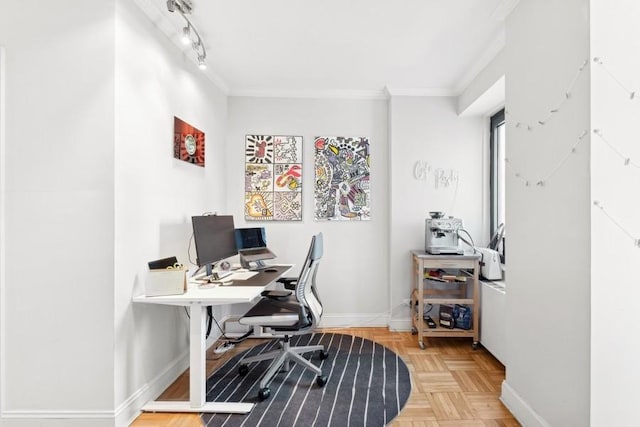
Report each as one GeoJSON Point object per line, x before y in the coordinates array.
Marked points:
{"type": "Point", "coordinates": [368, 385]}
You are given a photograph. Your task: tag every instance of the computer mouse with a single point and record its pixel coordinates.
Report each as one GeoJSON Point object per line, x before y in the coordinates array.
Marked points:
{"type": "Point", "coordinates": [270, 270]}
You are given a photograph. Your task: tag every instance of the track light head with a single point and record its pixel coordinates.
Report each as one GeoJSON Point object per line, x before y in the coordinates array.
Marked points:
{"type": "Point", "coordinates": [190, 35]}
{"type": "Point", "coordinates": [182, 6]}
{"type": "Point", "coordinates": [201, 64]}
{"type": "Point", "coordinates": [186, 35]}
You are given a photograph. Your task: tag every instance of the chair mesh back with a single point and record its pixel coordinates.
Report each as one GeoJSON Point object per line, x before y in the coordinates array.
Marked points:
{"type": "Point", "coordinates": [306, 289]}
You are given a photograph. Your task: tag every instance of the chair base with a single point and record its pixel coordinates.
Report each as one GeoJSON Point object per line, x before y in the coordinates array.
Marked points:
{"type": "Point", "coordinates": [282, 357]}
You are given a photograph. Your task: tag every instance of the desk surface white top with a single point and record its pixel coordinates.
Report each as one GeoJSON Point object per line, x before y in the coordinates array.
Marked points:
{"type": "Point", "coordinates": [218, 294]}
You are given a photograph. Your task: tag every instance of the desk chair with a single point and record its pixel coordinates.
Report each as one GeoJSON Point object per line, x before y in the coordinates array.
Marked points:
{"type": "Point", "coordinates": [285, 317]}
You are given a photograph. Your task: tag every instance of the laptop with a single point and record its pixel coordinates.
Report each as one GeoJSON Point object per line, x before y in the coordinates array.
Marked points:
{"type": "Point", "coordinates": [255, 254]}
{"type": "Point", "coordinates": [252, 244]}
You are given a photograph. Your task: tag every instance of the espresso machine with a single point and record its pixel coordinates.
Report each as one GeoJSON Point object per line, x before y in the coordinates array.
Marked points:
{"type": "Point", "coordinates": [441, 234]}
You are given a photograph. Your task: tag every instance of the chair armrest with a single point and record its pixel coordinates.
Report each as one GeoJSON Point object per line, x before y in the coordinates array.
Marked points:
{"type": "Point", "coordinates": [277, 295]}
{"type": "Point", "coordinates": [288, 282]}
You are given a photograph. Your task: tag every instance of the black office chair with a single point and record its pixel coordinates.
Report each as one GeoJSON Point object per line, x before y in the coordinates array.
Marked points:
{"type": "Point", "coordinates": [285, 317]}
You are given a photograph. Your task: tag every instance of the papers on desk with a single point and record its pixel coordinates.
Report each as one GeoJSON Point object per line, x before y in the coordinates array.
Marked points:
{"type": "Point", "coordinates": [243, 275]}
{"type": "Point", "coordinates": [236, 275]}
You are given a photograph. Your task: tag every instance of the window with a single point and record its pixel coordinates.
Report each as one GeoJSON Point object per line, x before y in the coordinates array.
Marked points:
{"type": "Point", "coordinates": [497, 177]}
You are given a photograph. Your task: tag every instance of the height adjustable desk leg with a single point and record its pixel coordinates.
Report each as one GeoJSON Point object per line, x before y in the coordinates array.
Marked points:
{"type": "Point", "coordinates": [198, 375]}
{"type": "Point", "coordinates": [197, 355]}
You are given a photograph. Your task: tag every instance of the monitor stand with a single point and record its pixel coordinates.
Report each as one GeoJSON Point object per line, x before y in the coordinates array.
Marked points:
{"type": "Point", "coordinates": [257, 265]}
{"type": "Point", "coordinates": [210, 274]}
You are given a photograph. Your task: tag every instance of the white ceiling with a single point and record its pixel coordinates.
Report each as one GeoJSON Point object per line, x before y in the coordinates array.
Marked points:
{"type": "Point", "coordinates": [330, 47]}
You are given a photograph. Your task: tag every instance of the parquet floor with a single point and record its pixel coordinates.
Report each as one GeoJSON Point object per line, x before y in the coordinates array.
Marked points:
{"type": "Point", "coordinates": [452, 384]}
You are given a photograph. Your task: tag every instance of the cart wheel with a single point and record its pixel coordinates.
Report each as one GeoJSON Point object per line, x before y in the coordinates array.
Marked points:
{"type": "Point", "coordinates": [474, 345]}
{"type": "Point", "coordinates": [421, 344]}
{"type": "Point", "coordinates": [321, 380]}
{"type": "Point", "coordinates": [414, 331]}
{"type": "Point", "coordinates": [264, 393]}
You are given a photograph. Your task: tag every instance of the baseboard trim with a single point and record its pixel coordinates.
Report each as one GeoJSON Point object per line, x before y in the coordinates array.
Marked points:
{"type": "Point", "coordinates": [58, 418]}
{"type": "Point", "coordinates": [352, 320]}
{"type": "Point", "coordinates": [520, 408]}
{"type": "Point", "coordinates": [400, 325]}
{"type": "Point", "coordinates": [130, 408]}
{"type": "Point", "coordinates": [122, 416]}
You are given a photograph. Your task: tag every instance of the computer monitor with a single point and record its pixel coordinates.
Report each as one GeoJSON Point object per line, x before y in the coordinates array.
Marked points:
{"type": "Point", "coordinates": [252, 247]}
{"type": "Point", "coordinates": [214, 237]}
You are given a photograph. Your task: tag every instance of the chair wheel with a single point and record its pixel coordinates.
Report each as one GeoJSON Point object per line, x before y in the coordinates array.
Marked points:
{"type": "Point", "coordinates": [323, 354]}
{"type": "Point", "coordinates": [264, 393]}
{"type": "Point", "coordinates": [321, 380]}
{"type": "Point", "coordinates": [242, 370]}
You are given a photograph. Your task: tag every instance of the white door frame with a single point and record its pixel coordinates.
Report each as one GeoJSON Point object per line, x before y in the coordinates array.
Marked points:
{"type": "Point", "coordinates": [2, 227]}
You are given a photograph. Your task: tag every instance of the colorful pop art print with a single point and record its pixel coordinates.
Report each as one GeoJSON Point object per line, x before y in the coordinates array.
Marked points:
{"type": "Point", "coordinates": [273, 178]}
{"type": "Point", "coordinates": [342, 170]}
{"type": "Point", "coordinates": [258, 177]}
{"type": "Point", "coordinates": [258, 205]}
{"type": "Point", "coordinates": [188, 142]}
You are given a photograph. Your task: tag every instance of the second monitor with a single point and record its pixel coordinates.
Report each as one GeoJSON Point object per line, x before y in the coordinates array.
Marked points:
{"type": "Point", "coordinates": [252, 247]}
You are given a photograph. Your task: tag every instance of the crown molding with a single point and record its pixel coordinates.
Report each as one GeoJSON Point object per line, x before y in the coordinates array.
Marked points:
{"type": "Point", "coordinates": [163, 23]}
{"type": "Point", "coordinates": [489, 53]}
{"type": "Point", "coordinates": [310, 93]}
{"type": "Point", "coordinates": [400, 91]}
{"type": "Point", "coordinates": [504, 9]}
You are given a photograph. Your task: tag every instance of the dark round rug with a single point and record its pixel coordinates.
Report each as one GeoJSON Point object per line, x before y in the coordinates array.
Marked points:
{"type": "Point", "coordinates": [368, 385]}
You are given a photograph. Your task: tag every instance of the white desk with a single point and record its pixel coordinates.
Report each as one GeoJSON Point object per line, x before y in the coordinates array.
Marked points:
{"type": "Point", "coordinates": [197, 300]}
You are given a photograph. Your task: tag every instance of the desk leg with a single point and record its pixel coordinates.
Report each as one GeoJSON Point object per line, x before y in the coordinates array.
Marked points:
{"type": "Point", "coordinates": [197, 356]}
{"type": "Point", "coordinates": [198, 375]}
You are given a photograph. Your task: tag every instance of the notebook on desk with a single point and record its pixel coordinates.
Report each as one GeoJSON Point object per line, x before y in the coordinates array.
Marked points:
{"type": "Point", "coordinates": [243, 275]}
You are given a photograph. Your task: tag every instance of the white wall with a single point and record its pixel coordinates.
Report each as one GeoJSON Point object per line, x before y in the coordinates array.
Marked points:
{"type": "Point", "coordinates": [58, 213]}
{"type": "Point", "coordinates": [485, 93]}
{"type": "Point", "coordinates": [90, 193]}
{"type": "Point", "coordinates": [2, 224]}
{"type": "Point", "coordinates": [548, 298]}
{"type": "Point", "coordinates": [428, 130]}
{"type": "Point", "coordinates": [156, 195]}
{"type": "Point", "coordinates": [615, 373]}
{"type": "Point", "coordinates": [353, 275]}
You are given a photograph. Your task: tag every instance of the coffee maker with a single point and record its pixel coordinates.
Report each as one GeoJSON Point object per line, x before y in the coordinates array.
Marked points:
{"type": "Point", "coordinates": [441, 234]}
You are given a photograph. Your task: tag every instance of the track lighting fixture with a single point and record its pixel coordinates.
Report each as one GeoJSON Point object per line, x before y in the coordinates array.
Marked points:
{"type": "Point", "coordinates": [189, 33]}
{"type": "Point", "coordinates": [201, 64]}
{"type": "Point", "coordinates": [186, 35]}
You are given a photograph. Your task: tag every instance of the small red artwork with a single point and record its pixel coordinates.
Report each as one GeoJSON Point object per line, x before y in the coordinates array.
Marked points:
{"type": "Point", "coordinates": [188, 143]}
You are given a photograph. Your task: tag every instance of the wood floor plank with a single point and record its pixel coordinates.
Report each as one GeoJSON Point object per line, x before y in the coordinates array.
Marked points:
{"type": "Point", "coordinates": [487, 406]}
{"type": "Point", "coordinates": [428, 363]}
{"type": "Point", "coordinates": [507, 422]}
{"type": "Point", "coordinates": [452, 384]}
{"type": "Point", "coordinates": [450, 406]}
{"type": "Point", "coordinates": [474, 380]}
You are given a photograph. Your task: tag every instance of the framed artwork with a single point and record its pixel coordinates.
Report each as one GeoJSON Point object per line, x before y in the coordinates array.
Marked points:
{"type": "Point", "coordinates": [342, 168]}
{"type": "Point", "coordinates": [188, 142]}
{"type": "Point", "coordinates": [273, 178]}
